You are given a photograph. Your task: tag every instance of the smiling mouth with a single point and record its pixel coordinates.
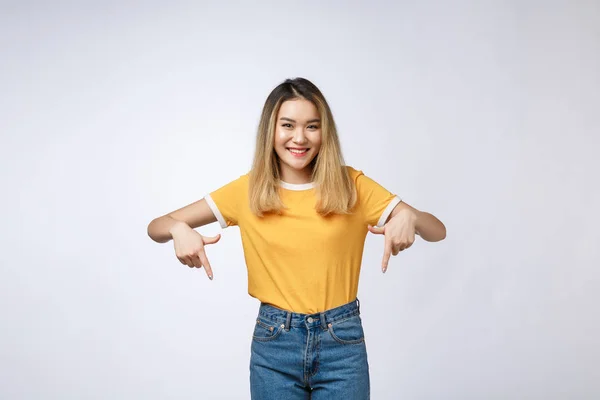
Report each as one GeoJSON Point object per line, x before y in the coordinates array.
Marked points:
{"type": "Point", "coordinates": [297, 151]}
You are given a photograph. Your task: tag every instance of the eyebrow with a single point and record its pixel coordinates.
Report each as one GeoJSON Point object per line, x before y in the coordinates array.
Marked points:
{"type": "Point", "coordinates": [308, 122]}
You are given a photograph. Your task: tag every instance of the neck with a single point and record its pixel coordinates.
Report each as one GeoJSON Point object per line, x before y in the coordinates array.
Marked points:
{"type": "Point", "coordinates": [294, 176]}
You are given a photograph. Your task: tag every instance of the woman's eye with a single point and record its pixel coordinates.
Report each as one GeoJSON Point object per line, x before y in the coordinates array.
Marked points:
{"type": "Point", "coordinates": [287, 125]}
{"type": "Point", "coordinates": [313, 127]}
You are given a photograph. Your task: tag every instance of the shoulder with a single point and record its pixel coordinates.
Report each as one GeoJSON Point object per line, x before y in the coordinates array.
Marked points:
{"type": "Point", "coordinates": [236, 183]}
{"type": "Point", "coordinates": [242, 182]}
{"type": "Point", "coordinates": [361, 180]}
{"type": "Point", "coordinates": [354, 173]}
{"type": "Point", "coordinates": [244, 178]}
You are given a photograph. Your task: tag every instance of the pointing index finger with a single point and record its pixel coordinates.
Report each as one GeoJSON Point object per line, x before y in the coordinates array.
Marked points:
{"type": "Point", "coordinates": [386, 255]}
{"type": "Point", "coordinates": [206, 264]}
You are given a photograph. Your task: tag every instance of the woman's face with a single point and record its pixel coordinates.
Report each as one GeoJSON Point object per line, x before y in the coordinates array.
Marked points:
{"type": "Point", "coordinates": [297, 139]}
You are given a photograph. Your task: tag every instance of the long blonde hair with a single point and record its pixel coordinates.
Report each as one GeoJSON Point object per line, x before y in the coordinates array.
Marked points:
{"type": "Point", "coordinates": [334, 187]}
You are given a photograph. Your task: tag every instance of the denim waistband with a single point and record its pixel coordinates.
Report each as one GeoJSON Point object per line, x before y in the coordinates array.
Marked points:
{"type": "Point", "coordinates": [292, 319]}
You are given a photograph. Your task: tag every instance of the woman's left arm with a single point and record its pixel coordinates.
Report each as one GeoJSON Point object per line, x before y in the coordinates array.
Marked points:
{"type": "Point", "coordinates": [427, 226]}
{"type": "Point", "coordinates": [401, 227]}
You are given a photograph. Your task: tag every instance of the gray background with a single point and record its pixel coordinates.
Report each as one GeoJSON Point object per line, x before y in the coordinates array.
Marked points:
{"type": "Point", "coordinates": [484, 113]}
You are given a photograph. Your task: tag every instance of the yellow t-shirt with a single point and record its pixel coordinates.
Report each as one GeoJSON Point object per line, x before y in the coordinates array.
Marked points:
{"type": "Point", "coordinates": [300, 261]}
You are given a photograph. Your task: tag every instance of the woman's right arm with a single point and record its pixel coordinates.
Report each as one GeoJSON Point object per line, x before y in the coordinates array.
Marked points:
{"type": "Point", "coordinates": [179, 225]}
{"type": "Point", "coordinates": [191, 216]}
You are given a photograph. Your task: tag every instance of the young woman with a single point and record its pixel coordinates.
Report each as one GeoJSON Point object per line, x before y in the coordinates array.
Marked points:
{"type": "Point", "coordinates": [303, 216]}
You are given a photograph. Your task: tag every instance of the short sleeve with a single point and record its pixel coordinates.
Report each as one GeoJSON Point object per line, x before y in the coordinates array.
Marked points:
{"type": "Point", "coordinates": [375, 202]}
{"type": "Point", "coordinates": [226, 201]}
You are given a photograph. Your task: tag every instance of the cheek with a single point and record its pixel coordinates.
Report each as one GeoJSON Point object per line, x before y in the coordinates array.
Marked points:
{"type": "Point", "coordinates": [281, 137]}
{"type": "Point", "coordinates": [277, 139]}
{"type": "Point", "coordinates": [316, 140]}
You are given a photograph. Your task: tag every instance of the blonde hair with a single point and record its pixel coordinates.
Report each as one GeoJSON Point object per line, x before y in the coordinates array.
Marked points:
{"type": "Point", "coordinates": [334, 187]}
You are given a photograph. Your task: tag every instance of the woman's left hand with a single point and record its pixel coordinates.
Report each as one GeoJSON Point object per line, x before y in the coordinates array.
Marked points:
{"type": "Point", "coordinates": [399, 234]}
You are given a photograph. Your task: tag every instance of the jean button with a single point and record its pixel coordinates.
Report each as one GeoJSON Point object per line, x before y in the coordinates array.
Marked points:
{"type": "Point", "coordinates": [310, 320]}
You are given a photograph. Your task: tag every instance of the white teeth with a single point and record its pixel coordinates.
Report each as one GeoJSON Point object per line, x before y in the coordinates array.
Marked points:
{"type": "Point", "coordinates": [298, 151]}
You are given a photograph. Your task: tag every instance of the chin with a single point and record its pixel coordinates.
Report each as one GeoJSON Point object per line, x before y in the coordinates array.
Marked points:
{"type": "Point", "coordinates": [295, 165]}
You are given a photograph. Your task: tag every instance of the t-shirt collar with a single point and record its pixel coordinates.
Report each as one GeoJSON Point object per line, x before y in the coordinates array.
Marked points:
{"type": "Point", "coordinates": [296, 186]}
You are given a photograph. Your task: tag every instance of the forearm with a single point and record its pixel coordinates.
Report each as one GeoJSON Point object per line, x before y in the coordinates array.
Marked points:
{"type": "Point", "coordinates": [160, 229]}
{"type": "Point", "coordinates": [426, 225]}
{"type": "Point", "coordinates": [429, 227]}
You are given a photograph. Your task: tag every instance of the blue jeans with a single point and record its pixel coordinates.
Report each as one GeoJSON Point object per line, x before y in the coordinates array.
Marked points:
{"type": "Point", "coordinates": [300, 356]}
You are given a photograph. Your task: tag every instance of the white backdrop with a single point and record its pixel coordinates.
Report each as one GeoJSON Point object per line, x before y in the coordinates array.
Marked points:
{"type": "Point", "coordinates": [483, 113]}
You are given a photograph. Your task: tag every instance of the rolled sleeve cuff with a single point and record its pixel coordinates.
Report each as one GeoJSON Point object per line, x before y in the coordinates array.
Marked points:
{"type": "Point", "coordinates": [388, 210]}
{"type": "Point", "coordinates": [213, 206]}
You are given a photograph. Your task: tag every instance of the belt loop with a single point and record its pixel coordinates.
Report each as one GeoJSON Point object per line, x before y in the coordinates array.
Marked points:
{"type": "Point", "coordinates": [358, 304]}
{"type": "Point", "coordinates": [323, 322]}
{"type": "Point", "coordinates": [288, 321]}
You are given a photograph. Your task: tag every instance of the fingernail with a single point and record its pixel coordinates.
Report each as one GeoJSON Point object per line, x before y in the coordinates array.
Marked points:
{"type": "Point", "coordinates": [210, 277]}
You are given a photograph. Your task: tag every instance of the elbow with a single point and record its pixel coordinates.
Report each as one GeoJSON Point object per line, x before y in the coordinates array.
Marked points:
{"type": "Point", "coordinates": [434, 235]}
{"type": "Point", "coordinates": [152, 231]}
{"type": "Point", "coordinates": [442, 233]}
{"type": "Point", "coordinates": [433, 230]}
{"type": "Point", "coordinates": [443, 236]}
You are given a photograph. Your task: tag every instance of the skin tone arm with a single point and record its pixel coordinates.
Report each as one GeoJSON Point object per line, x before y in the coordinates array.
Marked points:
{"type": "Point", "coordinates": [179, 225]}
{"type": "Point", "coordinates": [401, 227]}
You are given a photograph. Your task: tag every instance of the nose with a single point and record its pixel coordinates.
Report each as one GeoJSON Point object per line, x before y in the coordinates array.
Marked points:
{"type": "Point", "coordinates": [299, 136]}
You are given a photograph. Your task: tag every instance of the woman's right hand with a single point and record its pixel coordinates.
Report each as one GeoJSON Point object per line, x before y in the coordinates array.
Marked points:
{"type": "Point", "coordinates": [189, 247]}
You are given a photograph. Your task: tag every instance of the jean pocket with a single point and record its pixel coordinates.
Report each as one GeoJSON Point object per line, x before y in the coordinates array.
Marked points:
{"type": "Point", "coordinates": [265, 331]}
{"type": "Point", "coordinates": [347, 331]}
